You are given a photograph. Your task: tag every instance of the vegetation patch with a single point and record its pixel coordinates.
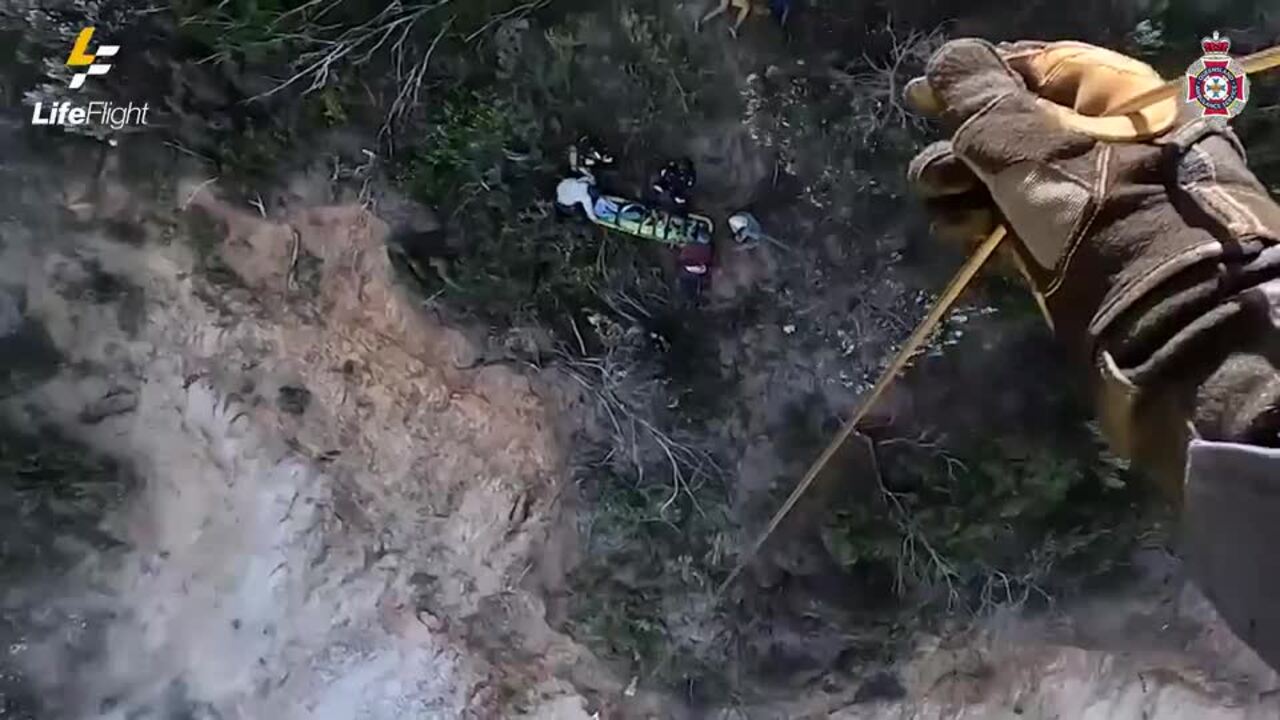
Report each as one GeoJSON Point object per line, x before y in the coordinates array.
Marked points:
{"type": "Point", "coordinates": [998, 523]}
{"type": "Point", "coordinates": [462, 152]}
{"type": "Point", "coordinates": [655, 558]}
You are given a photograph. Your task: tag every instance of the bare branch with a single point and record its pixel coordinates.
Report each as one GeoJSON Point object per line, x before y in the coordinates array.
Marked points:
{"type": "Point", "coordinates": [878, 90]}
{"type": "Point", "coordinates": [934, 565]}
{"type": "Point", "coordinates": [621, 394]}
{"type": "Point", "coordinates": [519, 10]}
{"type": "Point", "coordinates": [361, 43]}
{"type": "Point", "coordinates": [412, 86]}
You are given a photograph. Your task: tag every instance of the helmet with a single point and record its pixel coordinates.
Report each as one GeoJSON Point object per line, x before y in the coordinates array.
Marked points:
{"type": "Point", "coordinates": [743, 225]}
{"type": "Point", "coordinates": [592, 153]}
{"type": "Point", "coordinates": [683, 169]}
{"type": "Point", "coordinates": [678, 174]}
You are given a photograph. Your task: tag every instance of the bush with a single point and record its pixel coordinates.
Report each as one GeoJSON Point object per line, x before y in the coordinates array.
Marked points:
{"type": "Point", "coordinates": [653, 557]}
{"type": "Point", "coordinates": [462, 150]}
{"type": "Point", "coordinates": [658, 526]}
{"type": "Point", "coordinates": [998, 523]}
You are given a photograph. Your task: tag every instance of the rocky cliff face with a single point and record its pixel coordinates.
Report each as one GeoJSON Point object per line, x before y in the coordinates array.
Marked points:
{"type": "Point", "coordinates": [338, 512]}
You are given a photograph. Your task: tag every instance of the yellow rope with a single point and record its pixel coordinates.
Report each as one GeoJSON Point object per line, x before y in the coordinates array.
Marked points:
{"type": "Point", "coordinates": [899, 363]}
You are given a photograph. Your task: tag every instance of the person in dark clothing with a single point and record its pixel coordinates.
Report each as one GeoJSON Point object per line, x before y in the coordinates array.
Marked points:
{"type": "Point", "coordinates": [589, 156]}
{"type": "Point", "coordinates": [673, 183]}
{"type": "Point", "coordinates": [694, 271]}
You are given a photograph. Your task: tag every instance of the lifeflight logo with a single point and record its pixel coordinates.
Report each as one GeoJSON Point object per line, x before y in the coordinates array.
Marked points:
{"type": "Point", "coordinates": [98, 112]}
{"type": "Point", "coordinates": [81, 58]}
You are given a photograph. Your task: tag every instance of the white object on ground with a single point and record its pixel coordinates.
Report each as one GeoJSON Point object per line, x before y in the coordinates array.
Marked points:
{"type": "Point", "coordinates": [747, 230]}
{"type": "Point", "coordinates": [576, 192]}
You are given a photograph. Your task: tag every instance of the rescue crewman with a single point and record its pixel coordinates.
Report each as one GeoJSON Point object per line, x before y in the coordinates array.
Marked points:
{"type": "Point", "coordinates": [1154, 254]}
{"type": "Point", "coordinates": [673, 183]}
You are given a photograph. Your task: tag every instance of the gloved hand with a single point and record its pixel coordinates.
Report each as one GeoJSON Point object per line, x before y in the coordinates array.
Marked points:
{"type": "Point", "coordinates": [1076, 83]}
{"type": "Point", "coordinates": [1148, 243]}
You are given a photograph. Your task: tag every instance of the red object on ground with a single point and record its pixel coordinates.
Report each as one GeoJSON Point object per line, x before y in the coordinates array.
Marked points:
{"type": "Point", "coordinates": [695, 255]}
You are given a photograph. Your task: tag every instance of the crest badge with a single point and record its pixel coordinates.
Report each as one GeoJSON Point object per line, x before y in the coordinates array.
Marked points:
{"type": "Point", "coordinates": [1217, 81]}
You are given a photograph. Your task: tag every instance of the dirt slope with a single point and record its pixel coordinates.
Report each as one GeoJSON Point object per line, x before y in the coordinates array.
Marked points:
{"type": "Point", "coordinates": [337, 506]}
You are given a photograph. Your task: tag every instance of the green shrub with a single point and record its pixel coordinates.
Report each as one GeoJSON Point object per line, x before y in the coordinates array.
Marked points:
{"type": "Point", "coordinates": [653, 557]}
{"type": "Point", "coordinates": [462, 150]}
{"type": "Point", "coordinates": [1000, 522]}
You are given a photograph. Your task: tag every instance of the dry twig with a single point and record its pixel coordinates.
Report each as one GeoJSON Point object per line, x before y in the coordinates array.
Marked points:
{"type": "Point", "coordinates": [411, 84]}
{"type": "Point", "coordinates": [881, 85]}
{"type": "Point", "coordinates": [933, 564]}
{"type": "Point", "coordinates": [619, 395]}
{"type": "Point", "coordinates": [355, 45]}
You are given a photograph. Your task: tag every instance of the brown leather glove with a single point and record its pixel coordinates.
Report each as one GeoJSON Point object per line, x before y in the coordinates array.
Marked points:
{"type": "Point", "coordinates": [1076, 82]}
{"type": "Point", "coordinates": [1149, 244]}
